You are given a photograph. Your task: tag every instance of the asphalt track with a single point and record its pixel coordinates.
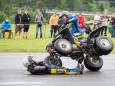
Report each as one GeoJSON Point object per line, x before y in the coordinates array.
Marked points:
{"type": "Point", "coordinates": [13, 73]}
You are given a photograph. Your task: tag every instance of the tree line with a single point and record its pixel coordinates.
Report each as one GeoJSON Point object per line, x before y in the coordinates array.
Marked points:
{"type": "Point", "coordinates": [9, 7]}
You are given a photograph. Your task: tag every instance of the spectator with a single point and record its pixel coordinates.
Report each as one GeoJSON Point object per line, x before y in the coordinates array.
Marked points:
{"type": "Point", "coordinates": [81, 21]}
{"type": "Point", "coordinates": [6, 27]}
{"type": "Point", "coordinates": [26, 22]}
{"type": "Point", "coordinates": [97, 20]}
{"type": "Point", "coordinates": [54, 23]}
{"type": "Point", "coordinates": [105, 23]}
{"type": "Point", "coordinates": [60, 23]}
{"type": "Point", "coordinates": [18, 23]}
{"type": "Point", "coordinates": [113, 25]}
{"type": "Point", "coordinates": [39, 21]}
{"type": "Point", "coordinates": [0, 32]}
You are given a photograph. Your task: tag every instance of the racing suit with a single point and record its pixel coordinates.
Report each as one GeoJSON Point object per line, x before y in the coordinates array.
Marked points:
{"type": "Point", "coordinates": [75, 28]}
{"type": "Point", "coordinates": [42, 68]}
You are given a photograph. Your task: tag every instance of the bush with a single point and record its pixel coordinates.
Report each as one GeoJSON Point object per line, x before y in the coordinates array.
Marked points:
{"type": "Point", "coordinates": [2, 16]}
{"type": "Point", "coordinates": [44, 21]}
{"type": "Point", "coordinates": [32, 15]}
{"type": "Point", "coordinates": [89, 18]}
{"type": "Point", "coordinates": [12, 19]}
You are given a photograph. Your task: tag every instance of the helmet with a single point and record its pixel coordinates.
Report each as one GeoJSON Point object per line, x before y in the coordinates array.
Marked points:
{"type": "Point", "coordinates": [27, 61]}
{"type": "Point", "coordinates": [64, 13]}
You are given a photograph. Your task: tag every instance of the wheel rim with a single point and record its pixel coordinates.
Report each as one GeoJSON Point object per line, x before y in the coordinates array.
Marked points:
{"type": "Point", "coordinates": [94, 61]}
{"type": "Point", "coordinates": [64, 45]}
{"type": "Point", "coordinates": [53, 62]}
{"type": "Point", "coordinates": [105, 42]}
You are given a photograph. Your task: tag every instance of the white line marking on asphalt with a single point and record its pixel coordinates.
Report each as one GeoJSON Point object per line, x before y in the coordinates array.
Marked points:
{"type": "Point", "coordinates": [19, 83]}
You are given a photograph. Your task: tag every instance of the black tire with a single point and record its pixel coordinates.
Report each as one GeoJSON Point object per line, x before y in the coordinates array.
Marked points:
{"type": "Point", "coordinates": [104, 45]}
{"type": "Point", "coordinates": [92, 64]}
{"type": "Point", "coordinates": [49, 60]}
{"type": "Point", "coordinates": [63, 46]}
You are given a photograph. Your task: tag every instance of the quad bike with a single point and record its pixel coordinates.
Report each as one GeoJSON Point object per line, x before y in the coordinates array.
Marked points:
{"type": "Point", "coordinates": [82, 49]}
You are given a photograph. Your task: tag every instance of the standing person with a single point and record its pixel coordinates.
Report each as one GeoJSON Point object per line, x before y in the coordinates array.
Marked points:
{"type": "Point", "coordinates": [81, 21]}
{"type": "Point", "coordinates": [113, 25]}
{"type": "Point", "coordinates": [26, 22]}
{"type": "Point", "coordinates": [97, 20]}
{"type": "Point", "coordinates": [54, 24]}
{"type": "Point", "coordinates": [39, 21]}
{"type": "Point", "coordinates": [105, 23]}
{"type": "Point", "coordinates": [6, 27]}
{"type": "Point", "coordinates": [18, 23]}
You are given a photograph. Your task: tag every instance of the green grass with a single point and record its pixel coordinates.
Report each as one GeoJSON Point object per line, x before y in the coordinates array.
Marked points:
{"type": "Point", "coordinates": [113, 39]}
{"type": "Point", "coordinates": [30, 45]}
{"type": "Point", "coordinates": [26, 45]}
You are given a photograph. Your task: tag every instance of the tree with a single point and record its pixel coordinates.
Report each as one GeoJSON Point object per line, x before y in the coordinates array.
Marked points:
{"type": "Point", "coordinates": [2, 16]}
{"type": "Point", "coordinates": [63, 5]}
{"type": "Point", "coordinates": [70, 4]}
{"type": "Point", "coordinates": [10, 7]}
{"type": "Point", "coordinates": [78, 5]}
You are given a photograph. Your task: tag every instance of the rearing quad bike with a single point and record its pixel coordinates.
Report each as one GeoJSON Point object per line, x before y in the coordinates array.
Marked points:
{"type": "Point", "coordinates": [88, 49]}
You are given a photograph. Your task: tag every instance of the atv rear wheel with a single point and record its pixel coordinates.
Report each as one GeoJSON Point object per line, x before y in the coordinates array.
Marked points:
{"type": "Point", "coordinates": [51, 61]}
{"type": "Point", "coordinates": [103, 45]}
{"type": "Point", "coordinates": [93, 64]}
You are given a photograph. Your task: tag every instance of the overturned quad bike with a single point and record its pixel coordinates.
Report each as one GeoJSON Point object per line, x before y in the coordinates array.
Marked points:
{"type": "Point", "coordinates": [82, 49]}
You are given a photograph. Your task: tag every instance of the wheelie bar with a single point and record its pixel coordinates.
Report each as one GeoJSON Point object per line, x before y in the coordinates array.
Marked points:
{"type": "Point", "coordinates": [65, 71]}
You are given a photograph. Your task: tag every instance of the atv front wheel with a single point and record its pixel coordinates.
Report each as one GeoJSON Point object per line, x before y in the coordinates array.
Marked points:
{"type": "Point", "coordinates": [63, 46]}
{"type": "Point", "coordinates": [49, 60]}
{"type": "Point", "coordinates": [93, 64]}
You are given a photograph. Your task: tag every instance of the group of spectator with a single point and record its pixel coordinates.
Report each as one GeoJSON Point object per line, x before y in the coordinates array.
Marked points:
{"type": "Point", "coordinates": [23, 21]}
{"type": "Point", "coordinates": [105, 21]}
{"type": "Point", "coordinates": [55, 22]}
{"type": "Point", "coordinates": [99, 20]}
{"type": "Point", "coordinates": [20, 21]}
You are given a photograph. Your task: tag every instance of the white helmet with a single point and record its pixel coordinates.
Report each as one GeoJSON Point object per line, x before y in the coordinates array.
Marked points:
{"type": "Point", "coordinates": [27, 61]}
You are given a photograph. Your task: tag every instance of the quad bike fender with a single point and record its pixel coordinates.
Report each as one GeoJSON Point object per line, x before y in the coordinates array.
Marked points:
{"type": "Point", "coordinates": [49, 45]}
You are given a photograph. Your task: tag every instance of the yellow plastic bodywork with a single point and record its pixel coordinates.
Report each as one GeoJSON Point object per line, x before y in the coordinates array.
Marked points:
{"type": "Point", "coordinates": [62, 71]}
{"type": "Point", "coordinates": [57, 71]}
{"type": "Point", "coordinates": [76, 40]}
{"type": "Point", "coordinates": [70, 73]}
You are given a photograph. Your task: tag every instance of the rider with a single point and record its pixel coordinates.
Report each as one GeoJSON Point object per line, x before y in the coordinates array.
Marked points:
{"type": "Point", "coordinates": [42, 68]}
{"type": "Point", "coordinates": [75, 28]}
